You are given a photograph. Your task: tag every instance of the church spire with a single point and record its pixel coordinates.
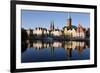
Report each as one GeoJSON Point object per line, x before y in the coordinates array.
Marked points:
{"type": "Point", "coordinates": [52, 25]}
{"type": "Point", "coordinates": [69, 15]}
{"type": "Point", "coordinates": [69, 20]}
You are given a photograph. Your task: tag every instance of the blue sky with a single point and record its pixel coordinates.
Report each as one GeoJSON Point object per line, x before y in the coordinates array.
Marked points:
{"type": "Point", "coordinates": [33, 19]}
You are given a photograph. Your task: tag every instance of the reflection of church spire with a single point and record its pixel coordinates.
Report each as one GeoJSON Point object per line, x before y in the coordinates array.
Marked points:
{"type": "Point", "coordinates": [69, 53]}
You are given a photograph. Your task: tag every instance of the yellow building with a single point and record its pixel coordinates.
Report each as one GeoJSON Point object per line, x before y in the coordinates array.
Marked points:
{"type": "Point", "coordinates": [69, 29]}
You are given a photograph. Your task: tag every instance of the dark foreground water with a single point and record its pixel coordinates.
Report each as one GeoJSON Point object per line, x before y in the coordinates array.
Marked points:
{"type": "Point", "coordinates": [41, 51]}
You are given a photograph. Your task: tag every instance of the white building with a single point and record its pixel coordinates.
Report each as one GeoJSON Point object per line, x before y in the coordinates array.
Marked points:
{"type": "Point", "coordinates": [37, 31]}
{"type": "Point", "coordinates": [40, 31]}
{"type": "Point", "coordinates": [56, 32]}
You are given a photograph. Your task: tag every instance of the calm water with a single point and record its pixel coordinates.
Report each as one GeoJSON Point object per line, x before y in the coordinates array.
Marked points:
{"type": "Point", "coordinates": [41, 51]}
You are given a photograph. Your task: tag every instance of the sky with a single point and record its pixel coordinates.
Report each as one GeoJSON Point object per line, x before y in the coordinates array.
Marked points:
{"type": "Point", "coordinates": [35, 18]}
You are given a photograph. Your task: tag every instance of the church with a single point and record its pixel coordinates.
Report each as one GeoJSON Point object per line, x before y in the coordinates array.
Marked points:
{"type": "Point", "coordinates": [73, 31]}
{"type": "Point", "coordinates": [68, 31]}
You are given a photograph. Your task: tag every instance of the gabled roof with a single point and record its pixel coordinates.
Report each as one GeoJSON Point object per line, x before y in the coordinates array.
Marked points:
{"type": "Point", "coordinates": [80, 28]}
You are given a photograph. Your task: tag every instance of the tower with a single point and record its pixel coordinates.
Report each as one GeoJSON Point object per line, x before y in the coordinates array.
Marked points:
{"type": "Point", "coordinates": [52, 25]}
{"type": "Point", "coordinates": [69, 20]}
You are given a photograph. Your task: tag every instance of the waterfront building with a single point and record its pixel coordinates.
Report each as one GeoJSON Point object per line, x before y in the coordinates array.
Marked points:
{"type": "Point", "coordinates": [37, 31]}
{"type": "Point", "coordinates": [56, 32]}
{"type": "Point", "coordinates": [68, 31]}
{"type": "Point", "coordinates": [72, 31]}
{"type": "Point", "coordinates": [80, 32]}
{"type": "Point", "coordinates": [69, 28]}
{"type": "Point", "coordinates": [40, 31]}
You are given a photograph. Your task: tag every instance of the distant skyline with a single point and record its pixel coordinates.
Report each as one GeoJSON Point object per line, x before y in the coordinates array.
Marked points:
{"type": "Point", "coordinates": [35, 18]}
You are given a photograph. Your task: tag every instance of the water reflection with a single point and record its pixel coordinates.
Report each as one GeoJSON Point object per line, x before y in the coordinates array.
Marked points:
{"type": "Point", "coordinates": [39, 51]}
